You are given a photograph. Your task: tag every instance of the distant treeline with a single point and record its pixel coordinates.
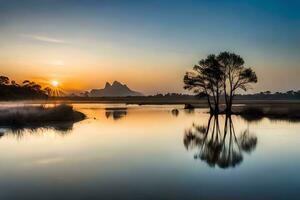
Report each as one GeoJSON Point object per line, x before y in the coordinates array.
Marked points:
{"type": "Point", "coordinates": [267, 95]}
{"type": "Point", "coordinates": [289, 95]}
{"type": "Point", "coordinates": [11, 90]}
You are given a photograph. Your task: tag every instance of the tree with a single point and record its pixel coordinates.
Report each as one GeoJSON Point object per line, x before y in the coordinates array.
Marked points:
{"type": "Point", "coordinates": [4, 80]}
{"type": "Point", "coordinates": [26, 83]}
{"type": "Point", "coordinates": [14, 83]}
{"type": "Point", "coordinates": [217, 74]}
{"type": "Point", "coordinates": [206, 80]}
{"type": "Point", "coordinates": [48, 91]}
{"type": "Point", "coordinates": [32, 85]}
{"type": "Point", "coordinates": [36, 87]}
{"type": "Point", "coordinates": [236, 76]}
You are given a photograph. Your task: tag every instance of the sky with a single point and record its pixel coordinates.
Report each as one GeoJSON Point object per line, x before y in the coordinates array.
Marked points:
{"type": "Point", "coordinates": [147, 44]}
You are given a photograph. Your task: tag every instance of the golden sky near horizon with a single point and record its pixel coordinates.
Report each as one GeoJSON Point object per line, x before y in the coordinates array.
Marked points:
{"type": "Point", "coordinates": [77, 69]}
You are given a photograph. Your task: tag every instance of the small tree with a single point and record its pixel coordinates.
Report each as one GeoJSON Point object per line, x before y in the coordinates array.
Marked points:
{"type": "Point", "coordinates": [14, 83]}
{"type": "Point", "coordinates": [4, 80]}
{"type": "Point", "coordinates": [48, 91]}
{"type": "Point", "coordinates": [26, 83]}
{"type": "Point", "coordinates": [236, 76]}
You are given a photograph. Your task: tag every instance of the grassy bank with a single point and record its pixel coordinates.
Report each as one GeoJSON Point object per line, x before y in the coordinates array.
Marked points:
{"type": "Point", "coordinates": [38, 115]}
{"type": "Point", "coordinates": [273, 112]}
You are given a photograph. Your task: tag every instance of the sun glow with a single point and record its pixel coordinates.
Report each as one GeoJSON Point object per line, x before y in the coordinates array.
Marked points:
{"type": "Point", "coordinates": [54, 83]}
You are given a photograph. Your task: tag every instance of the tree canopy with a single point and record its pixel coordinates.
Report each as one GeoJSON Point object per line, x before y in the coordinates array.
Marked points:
{"type": "Point", "coordinates": [217, 75]}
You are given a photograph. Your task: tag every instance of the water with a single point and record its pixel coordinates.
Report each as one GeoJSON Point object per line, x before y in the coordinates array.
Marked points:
{"type": "Point", "coordinates": [149, 152]}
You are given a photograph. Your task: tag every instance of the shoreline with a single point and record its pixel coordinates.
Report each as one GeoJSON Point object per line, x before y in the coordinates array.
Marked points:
{"type": "Point", "coordinates": [248, 109]}
{"type": "Point", "coordinates": [196, 103]}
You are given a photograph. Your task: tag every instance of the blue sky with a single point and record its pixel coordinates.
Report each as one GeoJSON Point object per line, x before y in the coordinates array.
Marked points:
{"type": "Point", "coordinates": [135, 41]}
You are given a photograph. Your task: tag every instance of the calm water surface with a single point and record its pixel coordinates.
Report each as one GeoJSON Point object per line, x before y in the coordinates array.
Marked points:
{"type": "Point", "coordinates": [150, 152]}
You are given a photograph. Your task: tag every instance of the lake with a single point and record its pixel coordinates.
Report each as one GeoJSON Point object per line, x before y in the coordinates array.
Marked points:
{"type": "Point", "coordinates": [151, 152]}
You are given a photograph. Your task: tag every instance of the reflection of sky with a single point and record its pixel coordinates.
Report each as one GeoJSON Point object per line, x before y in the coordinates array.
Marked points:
{"type": "Point", "coordinates": [138, 40]}
{"type": "Point", "coordinates": [142, 156]}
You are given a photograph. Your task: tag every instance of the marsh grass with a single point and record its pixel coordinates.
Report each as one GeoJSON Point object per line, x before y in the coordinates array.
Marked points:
{"type": "Point", "coordinates": [38, 115]}
{"type": "Point", "coordinates": [256, 113]}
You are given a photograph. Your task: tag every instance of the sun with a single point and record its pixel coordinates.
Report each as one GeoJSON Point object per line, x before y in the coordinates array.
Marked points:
{"type": "Point", "coordinates": [54, 83]}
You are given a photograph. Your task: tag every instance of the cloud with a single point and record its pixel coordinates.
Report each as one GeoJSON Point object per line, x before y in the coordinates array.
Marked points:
{"type": "Point", "coordinates": [45, 39]}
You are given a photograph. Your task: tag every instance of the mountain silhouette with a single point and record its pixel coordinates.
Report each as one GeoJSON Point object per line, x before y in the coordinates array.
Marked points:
{"type": "Point", "coordinates": [116, 89]}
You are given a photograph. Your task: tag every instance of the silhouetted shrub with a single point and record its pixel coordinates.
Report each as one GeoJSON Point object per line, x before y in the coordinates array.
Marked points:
{"type": "Point", "coordinates": [188, 106]}
{"type": "Point", "coordinates": [252, 113]}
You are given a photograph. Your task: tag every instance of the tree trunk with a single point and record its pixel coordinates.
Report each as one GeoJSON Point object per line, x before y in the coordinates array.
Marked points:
{"type": "Point", "coordinates": [217, 102]}
{"type": "Point", "coordinates": [209, 103]}
{"type": "Point", "coordinates": [226, 96]}
{"type": "Point", "coordinates": [229, 110]}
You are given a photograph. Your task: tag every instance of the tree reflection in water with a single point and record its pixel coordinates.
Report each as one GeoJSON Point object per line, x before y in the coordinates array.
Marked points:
{"type": "Point", "coordinates": [61, 129]}
{"type": "Point", "coordinates": [219, 146]}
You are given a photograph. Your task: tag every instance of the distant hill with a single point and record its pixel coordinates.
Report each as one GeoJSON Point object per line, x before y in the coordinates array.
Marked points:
{"type": "Point", "coordinates": [117, 89]}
